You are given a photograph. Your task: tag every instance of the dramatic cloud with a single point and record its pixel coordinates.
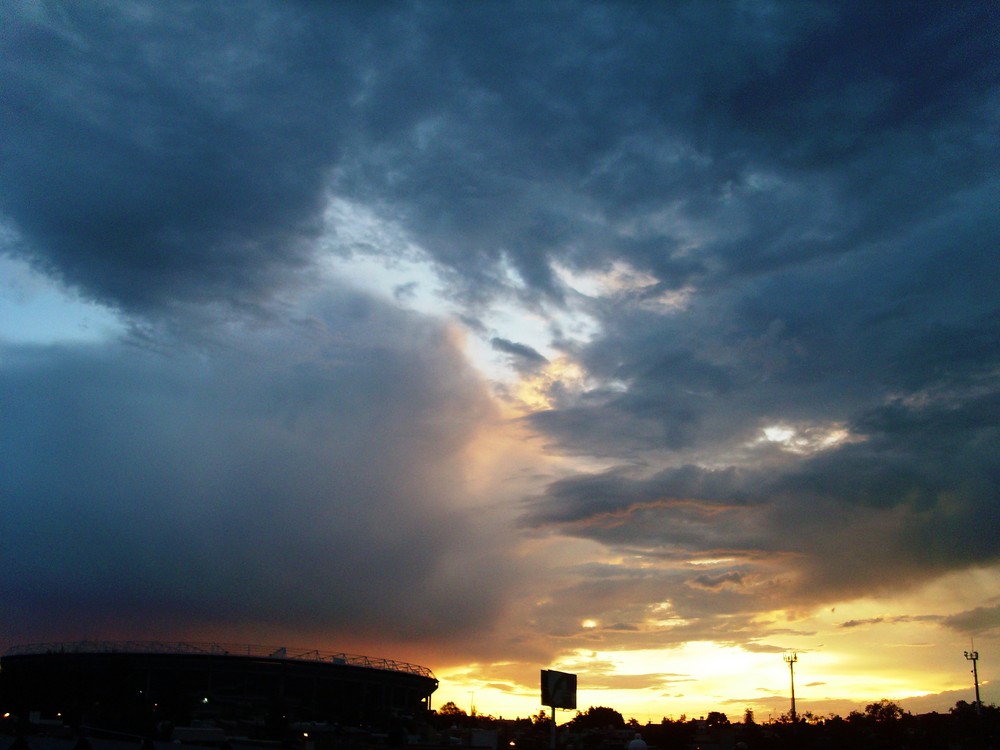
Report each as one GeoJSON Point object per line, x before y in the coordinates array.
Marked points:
{"type": "Point", "coordinates": [691, 310]}
{"type": "Point", "coordinates": [309, 474]}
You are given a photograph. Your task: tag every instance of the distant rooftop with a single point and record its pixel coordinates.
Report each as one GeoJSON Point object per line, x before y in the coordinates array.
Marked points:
{"type": "Point", "coordinates": [218, 649]}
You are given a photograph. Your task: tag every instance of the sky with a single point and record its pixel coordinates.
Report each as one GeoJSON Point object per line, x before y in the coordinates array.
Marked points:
{"type": "Point", "coordinates": [644, 341]}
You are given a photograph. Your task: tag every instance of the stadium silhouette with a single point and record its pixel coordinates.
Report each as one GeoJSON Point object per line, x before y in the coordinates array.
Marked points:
{"type": "Point", "coordinates": [153, 688]}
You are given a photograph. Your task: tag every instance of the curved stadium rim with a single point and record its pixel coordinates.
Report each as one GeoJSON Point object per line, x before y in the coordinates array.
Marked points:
{"type": "Point", "coordinates": [218, 649]}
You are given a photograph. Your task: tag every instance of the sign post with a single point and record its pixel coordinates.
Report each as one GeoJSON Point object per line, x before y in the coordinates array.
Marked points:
{"type": "Point", "coordinates": [558, 691]}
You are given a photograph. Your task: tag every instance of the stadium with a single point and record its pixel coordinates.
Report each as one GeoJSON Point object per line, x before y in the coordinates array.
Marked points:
{"type": "Point", "coordinates": [152, 688]}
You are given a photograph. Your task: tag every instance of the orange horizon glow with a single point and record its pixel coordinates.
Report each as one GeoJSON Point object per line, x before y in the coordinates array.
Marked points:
{"type": "Point", "coordinates": [842, 666]}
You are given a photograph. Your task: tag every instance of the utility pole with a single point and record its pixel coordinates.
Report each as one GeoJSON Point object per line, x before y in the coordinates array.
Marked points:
{"type": "Point", "coordinates": [973, 656]}
{"type": "Point", "coordinates": [790, 659]}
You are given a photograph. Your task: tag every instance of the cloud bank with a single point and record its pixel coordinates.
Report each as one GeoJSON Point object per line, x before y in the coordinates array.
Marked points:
{"type": "Point", "coordinates": [760, 240]}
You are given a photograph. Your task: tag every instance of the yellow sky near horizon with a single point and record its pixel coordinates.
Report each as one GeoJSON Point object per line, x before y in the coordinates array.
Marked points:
{"type": "Point", "coordinates": [883, 652]}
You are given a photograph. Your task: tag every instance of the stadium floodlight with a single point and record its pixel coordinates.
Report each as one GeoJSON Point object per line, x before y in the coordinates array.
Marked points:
{"type": "Point", "coordinates": [790, 658]}
{"type": "Point", "coordinates": [973, 656]}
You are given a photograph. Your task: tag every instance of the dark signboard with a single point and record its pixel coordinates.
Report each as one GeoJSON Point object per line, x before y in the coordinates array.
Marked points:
{"type": "Point", "coordinates": [558, 689]}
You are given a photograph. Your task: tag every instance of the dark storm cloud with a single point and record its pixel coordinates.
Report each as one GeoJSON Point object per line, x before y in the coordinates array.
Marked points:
{"type": "Point", "coordinates": [888, 512]}
{"type": "Point", "coordinates": [818, 343]}
{"type": "Point", "coordinates": [303, 476]}
{"type": "Point", "coordinates": [905, 503]}
{"type": "Point", "coordinates": [584, 497]}
{"type": "Point", "coordinates": [815, 181]}
{"type": "Point", "coordinates": [770, 134]}
{"type": "Point", "coordinates": [849, 281]}
{"type": "Point", "coordinates": [158, 153]}
{"type": "Point", "coordinates": [190, 149]}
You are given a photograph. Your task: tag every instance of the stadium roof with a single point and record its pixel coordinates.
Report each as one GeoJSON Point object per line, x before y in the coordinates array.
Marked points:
{"type": "Point", "coordinates": [219, 649]}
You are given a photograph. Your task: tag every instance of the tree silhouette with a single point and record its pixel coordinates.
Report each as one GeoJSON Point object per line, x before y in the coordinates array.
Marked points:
{"type": "Point", "coordinates": [716, 719]}
{"type": "Point", "coordinates": [451, 709]}
{"type": "Point", "coordinates": [598, 717]}
{"type": "Point", "coordinates": [884, 712]}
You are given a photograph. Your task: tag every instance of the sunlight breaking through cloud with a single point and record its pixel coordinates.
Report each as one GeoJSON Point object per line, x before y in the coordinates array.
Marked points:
{"type": "Point", "coordinates": [806, 439]}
